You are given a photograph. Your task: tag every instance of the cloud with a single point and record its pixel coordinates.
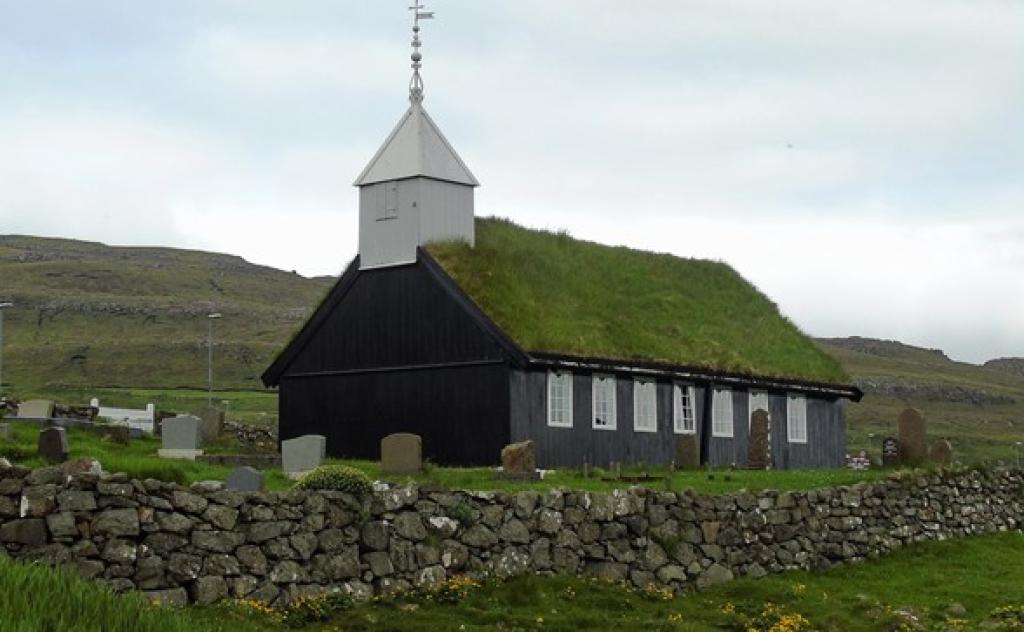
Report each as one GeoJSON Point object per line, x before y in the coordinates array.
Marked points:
{"type": "Point", "coordinates": [859, 161]}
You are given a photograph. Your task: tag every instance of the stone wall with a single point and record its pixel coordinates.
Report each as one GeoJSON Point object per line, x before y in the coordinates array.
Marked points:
{"type": "Point", "coordinates": [203, 543]}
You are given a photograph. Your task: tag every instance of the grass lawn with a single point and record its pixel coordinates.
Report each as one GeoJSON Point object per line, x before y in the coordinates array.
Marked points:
{"type": "Point", "coordinates": [980, 574]}
{"type": "Point", "coordinates": [139, 460]}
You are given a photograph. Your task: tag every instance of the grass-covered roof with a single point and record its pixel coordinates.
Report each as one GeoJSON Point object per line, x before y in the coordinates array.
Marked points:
{"type": "Point", "coordinates": [555, 294]}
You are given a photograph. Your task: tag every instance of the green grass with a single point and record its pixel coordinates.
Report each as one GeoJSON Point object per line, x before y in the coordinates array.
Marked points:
{"type": "Point", "coordinates": [40, 599]}
{"type": "Point", "coordinates": [553, 293]}
{"type": "Point", "coordinates": [978, 432]}
{"type": "Point", "coordinates": [139, 460]}
{"type": "Point", "coordinates": [980, 573]}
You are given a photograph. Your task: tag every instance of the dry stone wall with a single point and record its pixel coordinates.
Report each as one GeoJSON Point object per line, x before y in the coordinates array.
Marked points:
{"type": "Point", "coordinates": [203, 543]}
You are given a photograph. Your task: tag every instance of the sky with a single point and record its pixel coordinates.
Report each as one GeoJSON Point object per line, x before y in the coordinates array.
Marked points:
{"type": "Point", "coordinates": [861, 162]}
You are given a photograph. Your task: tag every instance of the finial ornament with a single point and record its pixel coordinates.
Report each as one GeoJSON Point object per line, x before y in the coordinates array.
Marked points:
{"type": "Point", "coordinates": [416, 84]}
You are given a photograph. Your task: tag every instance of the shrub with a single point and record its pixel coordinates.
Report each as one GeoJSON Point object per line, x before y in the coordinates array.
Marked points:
{"type": "Point", "coordinates": [339, 478]}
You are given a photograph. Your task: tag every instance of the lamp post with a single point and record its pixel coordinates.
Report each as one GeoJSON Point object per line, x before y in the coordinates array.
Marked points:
{"type": "Point", "coordinates": [3, 306]}
{"type": "Point", "coordinates": [209, 358]}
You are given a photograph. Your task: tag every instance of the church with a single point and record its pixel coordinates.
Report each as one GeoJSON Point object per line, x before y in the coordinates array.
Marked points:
{"type": "Point", "coordinates": [475, 333]}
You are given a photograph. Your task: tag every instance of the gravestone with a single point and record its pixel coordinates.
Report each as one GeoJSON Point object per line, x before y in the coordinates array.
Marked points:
{"type": "Point", "coordinates": [53, 444]}
{"type": "Point", "coordinates": [246, 479]}
{"type": "Point", "coordinates": [758, 446]}
{"type": "Point", "coordinates": [181, 438]}
{"type": "Point", "coordinates": [212, 421]}
{"type": "Point", "coordinates": [36, 409]}
{"type": "Point", "coordinates": [519, 459]}
{"type": "Point", "coordinates": [401, 453]}
{"type": "Point", "coordinates": [688, 452]}
{"type": "Point", "coordinates": [890, 452]}
{"type": "Point", "coordinates": [942, 453]}
{"type": "Point", "coordinates": [6, 433]}
{"type": "Point", "coordinates": [912, 440]}
{"type": "Point", "coordinates": [302, 454]}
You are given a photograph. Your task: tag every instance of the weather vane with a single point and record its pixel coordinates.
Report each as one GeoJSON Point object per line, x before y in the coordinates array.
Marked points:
{"type": "Point", "coordinates": [416, 84]}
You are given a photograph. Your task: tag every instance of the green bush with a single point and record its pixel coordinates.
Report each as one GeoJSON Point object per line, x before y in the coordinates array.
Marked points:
{"type": "Point", "coordinates": [339, 478]}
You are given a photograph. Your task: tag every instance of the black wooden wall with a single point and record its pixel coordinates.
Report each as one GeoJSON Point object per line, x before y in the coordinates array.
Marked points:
{"type": "Point", "coordinates": [397, 353]}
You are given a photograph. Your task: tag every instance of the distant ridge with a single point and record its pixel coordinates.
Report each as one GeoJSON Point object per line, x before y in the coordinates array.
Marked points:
{"type": "Point", "coordinates": [1013, 366]}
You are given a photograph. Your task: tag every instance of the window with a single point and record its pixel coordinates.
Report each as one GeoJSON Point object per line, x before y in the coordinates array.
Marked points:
{"type": "Point", "coordinates": [796, 418]}
{"type": "Point", "coordinates": [721, 413]}
{"type": "Point", "coordinates": [604, 402]}
{"type": "Point", "coordinates": [758, 401]}
{"type": "Point", "coordinates": [560, 399]}
{"type": "Point", "coordinates": [684, 419]}
{"type": "Point", "coordinates": [387, 201]}
{"type": "Point", "coordinates": [645, 406]}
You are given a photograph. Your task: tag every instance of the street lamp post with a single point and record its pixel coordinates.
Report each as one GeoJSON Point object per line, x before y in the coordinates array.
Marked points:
{"type": "Point", "coordinates": [3, 306]}
{"type": "Point", "coordinates": [209, 359]}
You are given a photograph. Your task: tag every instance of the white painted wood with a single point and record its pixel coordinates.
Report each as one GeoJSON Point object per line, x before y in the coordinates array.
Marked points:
{"type": "Point", "coordinates": [758, 401]}
{"type": "Point", "coordinates": [387, 240]}
{"type": "Point", "coordinates": [645, 406]}
{"type": "Point", "coordinates": [559, 399]}
{"type": "Point", "coordinates": [604, 402]}
{"type": "Point", "coordinates": [416, 147]}
{"type": "Point", "coordinates": [684, 399]}
{"type": "Point", "coordinates": [796, 418]}
{"type": "Point", "coordinates": [721, 414]}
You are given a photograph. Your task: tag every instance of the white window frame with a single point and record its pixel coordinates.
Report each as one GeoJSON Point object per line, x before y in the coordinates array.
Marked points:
{"type": "Point", "coordinates": [796, 418]}
{"type": "Point", "coordinates": [722, 414]}
{"type": "Point", "coordinates": [752, 407]}
{"type": "Point", "coordinates": [563, 380]}
{"type": "Point", "coordinates": [604, 387]}
{"type": "Point", "coordinates": [679, 418]}
{"type": "Point", "coordinates": [645, 389]}
{"type": "Point", "coordinates": [390, 200]}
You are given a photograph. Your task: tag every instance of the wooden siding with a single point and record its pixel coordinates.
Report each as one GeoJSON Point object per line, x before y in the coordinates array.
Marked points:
{"type": "Point", "coordinates": [826, 435]}
{"type": "Point", "coordinates": [460, 412]}
{"type": "Point", "coordinates": [570, 447]}
{"type": "Point", "coordinates": [394, 317]}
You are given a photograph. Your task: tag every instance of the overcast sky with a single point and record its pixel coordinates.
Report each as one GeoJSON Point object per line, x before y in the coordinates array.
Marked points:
{"type": "Point", "coordinates": [861, 162]}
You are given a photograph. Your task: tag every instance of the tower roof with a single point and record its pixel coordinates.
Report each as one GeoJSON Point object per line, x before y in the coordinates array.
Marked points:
{"type": "Point", "coordinates": [416, 147]}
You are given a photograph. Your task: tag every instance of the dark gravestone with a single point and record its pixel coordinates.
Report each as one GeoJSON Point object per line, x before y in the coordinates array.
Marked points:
{"type": "Point", "coordinates": [890, 452]}
{"type": "Point", "coordinates": [211, 422]}
{"type": "Point", "coordinates": [688, 452]}
{"type": "Point", "coordinates": [912, 440]}
{"type": "Point", "coordinates": [53, 444]}
{"type": "Point", "coordinates": [759, 447]}
{"type": "Point", "coordinates": [942, 453]}
{"type": "Point", "coordinates": [5, 432]}
{"type": "Point", "coordinates": [246, 479]}
{"type": "Point", "coordinates": [401, 453]}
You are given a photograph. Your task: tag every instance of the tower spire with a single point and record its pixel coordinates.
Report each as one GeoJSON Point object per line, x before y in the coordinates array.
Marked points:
{"type": "Point", "coordinates": [416, 84]}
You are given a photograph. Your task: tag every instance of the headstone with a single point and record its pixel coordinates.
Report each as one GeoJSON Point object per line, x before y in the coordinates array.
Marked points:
{"type": "Point", "coordinates": [519, 459]}
{"type": "Point", "coordinates": [53, 444]}
{"type": "Point", "coordinates": [36, 409]}
{"type": "Point", "coordinates": [6, 433]}
{"type": "Point", "coordinates": [912, 440]}
{"type": "Point", "coordinates": [302, 454]}
{"type": "Point", "coordinates": [246, 479]}
{"type": "Point", "coordinates": [758, 446]}
{"type": "Point", "coordinates": [212, 421]}
{"type": "Point", "coordinates": [181, 438]}
{"type": "Point", "coordinates": [117, 433]}
{"type": "Point", "coordinates": [890, 452]}
{"type": "Point", "coordinates": [942, 453]}
{"type": "Point", "coordinates": [688, 452]}
{"type": "Point", "coordinates": [401, 453]}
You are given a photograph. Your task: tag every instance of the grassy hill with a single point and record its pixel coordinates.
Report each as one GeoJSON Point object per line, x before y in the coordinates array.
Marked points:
{"type": "Point", "coordinates": [980, 409]}
{"type": "Point", "coordinates": [91, 315]}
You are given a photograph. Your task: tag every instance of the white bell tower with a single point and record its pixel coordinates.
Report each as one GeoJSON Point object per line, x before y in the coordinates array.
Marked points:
{"type": "Point", "coordinates": [416, 189]}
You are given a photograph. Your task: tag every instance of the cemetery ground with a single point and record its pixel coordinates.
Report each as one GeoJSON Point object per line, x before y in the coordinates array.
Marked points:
{"type": "Point", "coordinates": [139, 460]}
{"type": "Point", "coordinates": [963, 584]}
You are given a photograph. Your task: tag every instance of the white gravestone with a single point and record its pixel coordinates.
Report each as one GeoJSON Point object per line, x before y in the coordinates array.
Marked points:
{"type": "Point", "coordinates": [302, 454]}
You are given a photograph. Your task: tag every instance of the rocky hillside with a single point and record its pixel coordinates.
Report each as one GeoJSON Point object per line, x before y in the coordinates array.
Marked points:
{"type": "Point", "coordinates": [979, 408]}
{"type": "Point", "coordinates": [1014, 366]}
{"type": "Point", "coordinates": [90, 314]}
